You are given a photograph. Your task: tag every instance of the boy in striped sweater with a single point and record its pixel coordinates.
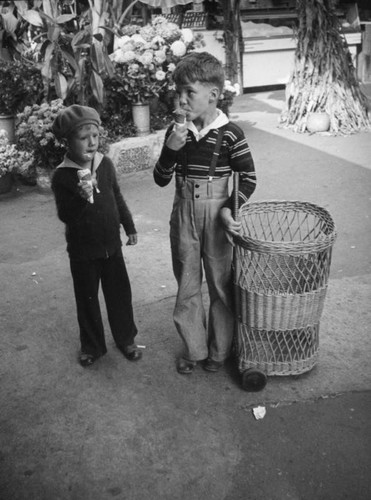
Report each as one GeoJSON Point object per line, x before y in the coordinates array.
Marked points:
{"type": "Point", "coordinates": [203, 153]}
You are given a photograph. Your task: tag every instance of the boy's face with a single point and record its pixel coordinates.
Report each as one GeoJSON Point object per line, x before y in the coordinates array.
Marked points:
{"type": "Point", "coordinates": [83, 143]}
{"type": "Point", "coordinates": [197, 99]}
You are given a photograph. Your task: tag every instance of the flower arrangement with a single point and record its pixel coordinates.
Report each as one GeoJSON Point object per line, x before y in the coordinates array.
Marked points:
{"type": "Point", "coordinates": [33, 133]}
{"type": "Point", "coordinates": [12, 160]}
{"type": "Point", "coordinates": [145, 57]}
{"type": "Point", "coordinates": [230, 91]}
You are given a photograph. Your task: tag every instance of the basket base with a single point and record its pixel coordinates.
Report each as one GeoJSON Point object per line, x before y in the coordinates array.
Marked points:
{"type": "Point", "coordinates": [290, 352]}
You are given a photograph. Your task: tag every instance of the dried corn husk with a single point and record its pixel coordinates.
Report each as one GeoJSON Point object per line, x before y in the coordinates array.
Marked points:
{"type": "Point", "coordinates": [324, 78]}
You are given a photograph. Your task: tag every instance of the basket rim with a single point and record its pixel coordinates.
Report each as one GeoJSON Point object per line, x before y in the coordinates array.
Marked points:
{"type": "Point", "coordinates": [295, 246]}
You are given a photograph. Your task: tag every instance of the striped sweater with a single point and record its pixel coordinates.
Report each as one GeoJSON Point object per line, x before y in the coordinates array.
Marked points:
{"type": "Point", "coordinates": [235, 156]}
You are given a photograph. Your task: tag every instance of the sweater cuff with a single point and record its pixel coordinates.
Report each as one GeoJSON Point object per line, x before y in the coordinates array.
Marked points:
{"type": "Point", "coordinates": [130, 229]}
{"type": "Point", "coordinates": [167, 157]}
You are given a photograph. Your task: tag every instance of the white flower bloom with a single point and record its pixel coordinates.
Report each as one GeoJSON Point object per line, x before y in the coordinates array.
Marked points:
{"type": "Point", "coordinates": [133, 68]}
{"type": "Point", "coordinates": [171, 67]}
{"type": "Point", "coordinates": [160, 75]}
{"type": "Point", "coordinates": [159, 20]}
{"type": "Point", "coordinates": [157, 40]}
{"type": "Point", "coordinates": [146, 58]}
{"type": "Point", "coordinates": [120, 42]}
{"type": "Point", "coordinates": [187, 35]}
{"type": "Point", "coordinates": [178, 48]}
{"type": "Point", "coordinates": [126, 56]}
{"type": "Point", "coordinates": [129, 45]}
{"type": "Point", "coordinates": [147, 32]}
{"type": "Point", "coordinates": [160, 56]}
{"type": "Point", "coordinates": [136, 38]}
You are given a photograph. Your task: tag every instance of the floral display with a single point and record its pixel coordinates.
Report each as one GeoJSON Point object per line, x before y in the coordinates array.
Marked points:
{"type": "Point", "coordinates": [33, 133]}
{"type": "Point", "coordinates": [145, 57]}
{"type": "Point", "coordinates": [12, 160]}
{"type": "Point", "coordinates": [230, 91]}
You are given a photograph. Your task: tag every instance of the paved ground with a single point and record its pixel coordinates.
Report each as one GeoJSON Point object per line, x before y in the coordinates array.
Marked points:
{"type": "Point", "coordinates": [142, 431]}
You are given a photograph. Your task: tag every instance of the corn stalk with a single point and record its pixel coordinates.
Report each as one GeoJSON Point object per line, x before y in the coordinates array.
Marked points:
{"type": "Point", "coordinates": [232, 39]}
{"type": "Point", "coordinates": [324, 77]}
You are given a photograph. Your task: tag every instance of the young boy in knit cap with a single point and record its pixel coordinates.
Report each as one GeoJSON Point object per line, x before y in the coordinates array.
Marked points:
{"type": "Point", "coordinates": [90, 203]}
{"type": "Point", "coordinates": [203, 152]}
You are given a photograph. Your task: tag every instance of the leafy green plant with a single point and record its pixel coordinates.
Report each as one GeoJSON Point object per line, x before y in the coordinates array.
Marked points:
{"type": "Point", "coordinates": [20, 84]}
{"type": "Point", "coordinates": [73, 53]}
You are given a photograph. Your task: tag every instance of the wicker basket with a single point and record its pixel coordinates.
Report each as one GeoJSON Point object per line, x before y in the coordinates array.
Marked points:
{"type": "Point", "coordinates": [282, 265]}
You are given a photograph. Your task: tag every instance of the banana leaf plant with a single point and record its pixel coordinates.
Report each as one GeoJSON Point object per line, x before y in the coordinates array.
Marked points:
{"type": "Point", "coordinates": [324, 77]}
{"type": "Point", "coordinates": [73, 49]}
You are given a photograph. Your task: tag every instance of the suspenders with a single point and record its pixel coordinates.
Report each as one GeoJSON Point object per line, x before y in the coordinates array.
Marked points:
{"type": "Point", "coordinates": [214, 159]}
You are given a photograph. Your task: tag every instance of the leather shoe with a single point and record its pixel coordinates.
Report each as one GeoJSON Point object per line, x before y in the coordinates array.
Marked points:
{"type": "Point", "coordinates": [87, 359]}
{"type": "Point", "coordinates": [185, 366]}
{"type": "Point", "coordinates": [132, 352]}
{"type": "Point", "coordinates": [212, 366]}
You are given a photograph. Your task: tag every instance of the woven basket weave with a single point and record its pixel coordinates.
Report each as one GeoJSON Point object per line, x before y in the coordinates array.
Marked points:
{"type": "Point", "coordinates": [282, 264]}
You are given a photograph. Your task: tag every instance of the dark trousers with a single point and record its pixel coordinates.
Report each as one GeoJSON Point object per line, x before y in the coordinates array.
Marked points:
{"type": "Point", "coordinates": [111, 272]}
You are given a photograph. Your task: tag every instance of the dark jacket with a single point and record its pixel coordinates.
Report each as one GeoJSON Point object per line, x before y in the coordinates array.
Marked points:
{"type": "Point", "coordinates": [92, 229]}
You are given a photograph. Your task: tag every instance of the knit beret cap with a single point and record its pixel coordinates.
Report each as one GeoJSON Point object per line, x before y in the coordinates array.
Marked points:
{"type": "Point", "coordinates": [71, 118]}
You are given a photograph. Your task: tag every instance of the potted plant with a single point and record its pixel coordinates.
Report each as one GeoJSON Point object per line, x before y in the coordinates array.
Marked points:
{"type": "Point", "coordinates": [144, 59]}
{"type": "Point", "coordinates": [11, 95]}
{"type": "Point", "coordinates": [20, 84]}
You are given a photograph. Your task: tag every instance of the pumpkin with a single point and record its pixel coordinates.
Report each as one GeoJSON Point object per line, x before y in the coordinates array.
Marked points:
{"type": "Point", "coordinates": [318, 122]}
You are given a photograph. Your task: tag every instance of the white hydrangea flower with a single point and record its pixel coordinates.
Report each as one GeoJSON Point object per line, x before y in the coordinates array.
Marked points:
{"type": "Point", "coordinates": [160, 56]}
{"type": "Point", "coordinates": [160, 75]}
{"type": "Point", "coordinates": [136, 38]}
{"type": "Point", "coordinates": [157, 40]}
{"type": "Point", "coordinates": [178, 48]}
{"type": "Point", "coordinates": [171, 67]}
{"type": "Point", "coordinates": [147, 32]}
{"type": "Point", "coordinates": [187, 35]}
{"type": "Point", "coordinates": [146, 58]}
{"type": "Point", "coordinates": [120, 42]}
{"type": "Point", "coordinates": [126, 56]}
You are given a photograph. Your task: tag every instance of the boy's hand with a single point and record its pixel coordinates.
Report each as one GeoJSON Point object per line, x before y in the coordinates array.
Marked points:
{"type": "Point", "coordinates": [85, 189]}
{"type": "Point", "coordinates": [177, 138]}
{"type": "Point", "coordinates": [230, 225]}
{"type": "Point", "coordinates": [132, 239]}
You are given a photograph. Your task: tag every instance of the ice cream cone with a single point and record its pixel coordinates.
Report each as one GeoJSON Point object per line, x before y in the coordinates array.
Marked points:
{"type": "Point", "coordinates": [85, 175]}
{"type": "Point", "coordinates": [180, 117]}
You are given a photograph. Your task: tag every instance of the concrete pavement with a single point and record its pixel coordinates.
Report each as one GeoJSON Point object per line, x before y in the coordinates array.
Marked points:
{"type": "Point", "coordinates": [141, 431]}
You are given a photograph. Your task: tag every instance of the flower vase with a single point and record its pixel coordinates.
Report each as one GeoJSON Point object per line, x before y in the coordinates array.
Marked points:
{"type": "Point", "coordinates": [141, 118]}
{"type": "Point", "coordinates": [7, 123]}
{"type": "Point", "coordinates": [44, 179]}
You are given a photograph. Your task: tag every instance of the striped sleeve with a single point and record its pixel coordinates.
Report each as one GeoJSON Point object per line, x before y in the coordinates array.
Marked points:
{"type": "Point", "coordinates": [241, 161]}
{"type": "Point", "coordinates": [165, 165]}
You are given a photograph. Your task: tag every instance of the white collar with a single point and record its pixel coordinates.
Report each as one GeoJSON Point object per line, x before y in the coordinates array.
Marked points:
{"type": "Point", "coordinates": [68, 163]}
{"type": "Point", "coordinates": [220, 120]}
